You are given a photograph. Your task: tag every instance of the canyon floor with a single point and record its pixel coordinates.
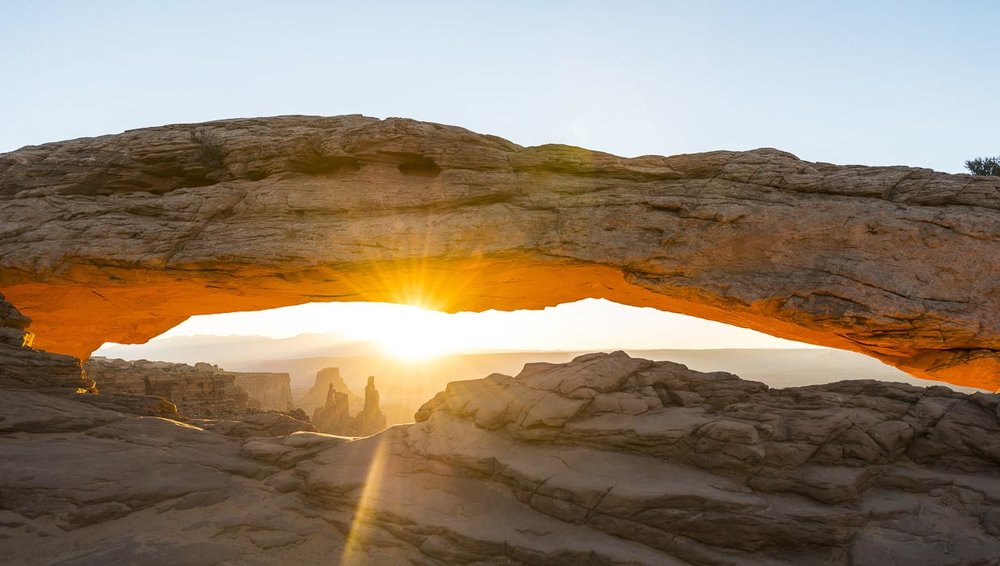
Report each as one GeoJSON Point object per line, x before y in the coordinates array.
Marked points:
{"type": "Point", "coordinates": [607, 459]}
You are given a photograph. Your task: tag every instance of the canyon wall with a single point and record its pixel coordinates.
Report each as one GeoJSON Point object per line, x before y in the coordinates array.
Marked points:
{"type": "Point", "coordinates": [118, 238]}
{"type": "Point", "coordinates": [201, 390]}
{"type": "Point", "coordinates": [267, 391]}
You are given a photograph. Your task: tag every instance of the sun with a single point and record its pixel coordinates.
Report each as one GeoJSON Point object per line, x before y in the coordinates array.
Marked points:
{"type": "Point", "coordinates": [415, 333]}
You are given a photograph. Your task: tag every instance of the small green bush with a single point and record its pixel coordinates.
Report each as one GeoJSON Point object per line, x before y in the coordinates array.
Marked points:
{"type": "Point", "coordinates": [984, 166]}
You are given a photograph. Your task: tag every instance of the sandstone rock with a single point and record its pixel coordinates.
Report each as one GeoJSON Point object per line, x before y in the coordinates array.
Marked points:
{"type": "Point", "coordinates": [142, 405]}
{"type": "Point", "coordinates": [264, 424]}
{"type": "Point", "coordinates": [118, 238]}
{"type": "Point", "coordinates": [198, 391]}
{"type": "Point", "coordinates": [23, 366]}
{"type": "Point", "coordinates": [370, 419]}
{"type": "Point", "coordinates": [267, 391]}
{"type": "Point", "coordinates": [714, 470]}
{"type": "Point", "coordinates": [334, 416]}
{"type": "Point", "coordinates": [317, 395]}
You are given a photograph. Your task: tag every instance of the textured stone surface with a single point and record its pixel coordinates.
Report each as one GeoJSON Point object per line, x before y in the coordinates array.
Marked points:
{"type": "Point", "coordinates": [267, 391]}
{"type": "Point", "coordinates": [23, 366]}
{"type": "Point", "coordinates": [604, 460]}
{"type": "Point", "coordinates": [317, 395]}
{"type": "Point", "coordinates": [334, 416]}
{"type": "Point", "coordinates": [118, 238]}
{"type": "Point", "coordinates": [201, 390]}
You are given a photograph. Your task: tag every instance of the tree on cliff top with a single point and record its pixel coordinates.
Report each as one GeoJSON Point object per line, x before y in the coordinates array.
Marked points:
{"type": "Point", "coordinates": [984, 166]}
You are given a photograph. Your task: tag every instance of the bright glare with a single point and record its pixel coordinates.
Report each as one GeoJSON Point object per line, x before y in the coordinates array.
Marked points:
{"type": "Point", "coordinates": [413, 333]}
{"type": "Point", "coordinates": [417, 333]}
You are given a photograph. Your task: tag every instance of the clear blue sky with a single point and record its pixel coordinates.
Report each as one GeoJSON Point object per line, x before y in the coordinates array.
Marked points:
{"type": "Point", "coordinates": [848, 82]}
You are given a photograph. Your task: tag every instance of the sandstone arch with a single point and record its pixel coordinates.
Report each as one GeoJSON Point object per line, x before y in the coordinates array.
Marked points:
{"type": "Point", "coordinates": [118, 238]}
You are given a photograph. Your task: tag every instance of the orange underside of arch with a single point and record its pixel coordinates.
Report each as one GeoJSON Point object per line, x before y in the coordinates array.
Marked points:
{"type": "Point", "coordinates": [76, 319]}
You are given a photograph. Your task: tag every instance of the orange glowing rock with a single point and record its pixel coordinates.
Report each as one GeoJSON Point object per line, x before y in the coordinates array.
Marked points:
{"type": "Point", "coordinates": [119, 238]}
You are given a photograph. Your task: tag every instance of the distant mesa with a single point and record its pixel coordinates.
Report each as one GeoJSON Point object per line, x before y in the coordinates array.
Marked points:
{"type": "Point", "coordinates": [248, 404]}
{"type": "Point", "coordinates": [267, 391]}
{"type": "Point", "coordinates": [317, 396]}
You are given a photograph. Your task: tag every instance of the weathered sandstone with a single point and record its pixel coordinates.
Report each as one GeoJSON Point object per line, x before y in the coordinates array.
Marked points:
{"type": "Point", "coordinates": [267, 391]}
{"type": "Point", "coordinates": [118, 238]}
{"type": "Point", "coordinates": [604, 460]}
{"type": "Point", "coordinates": [319, 392]}
{"type": "Point", "coordinates": [334, 416]}
{"type": "Point", "coordinates": [201, 390]}
{"type": "Point", "coordinates": [23, 366]}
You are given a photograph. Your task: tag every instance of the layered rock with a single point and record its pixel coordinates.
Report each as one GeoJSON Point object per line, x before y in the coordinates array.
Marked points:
{"type": "Point", "coordinates": [334, 416]}
{"type": "Point", "coordinates": [631, 461]}
{"type": "Point", "coordinates": [23, 366]}
{"type": "Point", "coordinates": [201, 390]}
{"type": "Point", "coordinates": [371, 419]}
{"type": "Point", "coordinates": [604, 460]}
{"type": "Point", "coordinates": [267, 391]}
{"type": "Point", "coordinates": [319, 394]}
{"type": "Point", "coordinates": [118, 238]}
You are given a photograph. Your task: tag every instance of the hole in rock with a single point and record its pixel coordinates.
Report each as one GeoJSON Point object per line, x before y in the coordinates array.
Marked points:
{"type": "Point", "coordinates": [417, 165]}
{"type": "Point", "coordinates": [413, 353]}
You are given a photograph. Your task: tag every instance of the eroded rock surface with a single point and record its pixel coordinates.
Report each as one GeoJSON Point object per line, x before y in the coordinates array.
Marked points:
{"type": "Point", "coordinates": [604, 460]}
{"type": "Point", "coordinates": [118, 238]}
{"type": "Point", "coordinates": [267, 390]}
{"type": "Point", "coordinates": [318, 394]}
{"type": "Point", "coordinates": [334, 416]}
{"type": "Point", "coordinates": [24, 366]}
{"type": "Point", "coordinates": [201, 390]}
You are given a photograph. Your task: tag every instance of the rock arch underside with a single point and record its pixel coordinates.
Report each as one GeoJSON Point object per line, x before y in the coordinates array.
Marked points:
{"type": "Point", "coordinates": [118, 238]}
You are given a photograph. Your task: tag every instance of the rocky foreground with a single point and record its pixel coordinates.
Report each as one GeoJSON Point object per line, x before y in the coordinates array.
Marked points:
{"type": "Point", "coordinates": [604, 460]}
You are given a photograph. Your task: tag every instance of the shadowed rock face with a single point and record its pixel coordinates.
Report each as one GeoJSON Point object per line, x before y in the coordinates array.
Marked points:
{"type": "Point", "coordinates": [118, 238]}
{"type": "Point", "coordinates": [604, 460]}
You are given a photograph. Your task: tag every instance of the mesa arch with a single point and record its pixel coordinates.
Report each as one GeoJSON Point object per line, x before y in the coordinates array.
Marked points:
{"type": "Point", "coordinates": [118, 238]}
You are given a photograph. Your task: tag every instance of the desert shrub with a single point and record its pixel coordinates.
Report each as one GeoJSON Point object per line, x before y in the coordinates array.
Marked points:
{"type": "Point", "coordinates": [984, 166]}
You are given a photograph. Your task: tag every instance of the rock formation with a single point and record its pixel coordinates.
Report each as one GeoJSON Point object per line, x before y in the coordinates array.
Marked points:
{"type": "Point", "coordinates": [334, 416]}
{"type": "Point", "coordinates": [118, 238]}
{"type": "Point", "coordinates": [201, 390]}
{"type": "Point", "coordinates": [604, 460]}
{"type": "Point", "coordinates": [319, 394]}
{"type": "Point", "coordinates": [24, 366]}
{"type": "Point", "coordinates": [267, 391]}
{"type": "Point", "coordinates": [370, 419]}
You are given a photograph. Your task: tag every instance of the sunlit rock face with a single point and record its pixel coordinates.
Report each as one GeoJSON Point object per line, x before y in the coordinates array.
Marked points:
{"type": "Point", "coordinates": [268, 391]}
{"type": "Point", "coordinates": [318, 395]}
{"type": "Point", "coordinates": [22, 366]}
{"type": "Point", "coordinates": [201, 390]}
{"type": "Point", "coordinates": [334, 416]}
{"type": "Point", "coordinates": [118, 238]}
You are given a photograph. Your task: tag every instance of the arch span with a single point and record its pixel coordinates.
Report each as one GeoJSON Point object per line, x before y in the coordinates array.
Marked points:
{"type": "Point", "coordinates": [118, 238]}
